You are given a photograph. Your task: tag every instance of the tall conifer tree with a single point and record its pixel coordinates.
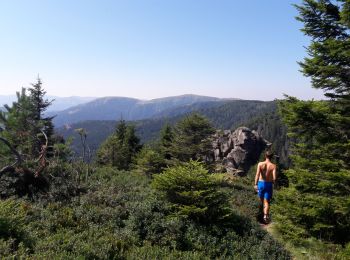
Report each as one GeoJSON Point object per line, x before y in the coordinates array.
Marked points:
{"type": "Point", "coordinates": [25, 127]}
{"type": "Point", "coordinates": [165, 142]}
{"type": "Point", "coordinates": [317, 201]}
{"type": "Point", "coordinates": [191, 139]}
{"type": "Point", "coordinates": [120, 148]}
{"type": "Point", "coordinates": [38, 122]}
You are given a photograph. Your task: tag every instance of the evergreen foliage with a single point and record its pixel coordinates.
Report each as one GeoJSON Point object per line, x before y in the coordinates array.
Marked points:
{"type": "Point", "coordinates": [271, 128]}
{"type": "Point", "coordinates": [191, 139]}
{"type": "Point", "coordinates": [193, 192]}
{"type": "Point", "coordinates": [155, 158]}
{"type": "Point", "coordinates": [327, 23]}
{"type": "Point", "coordinates": [166, 141]}
{"type": "Point", "coordinates": [150, 161]}
{"type": "Point", "coordinates": [31, 155]}
{"type": "Point", "coordinates": [120, 148]}
{"type": "Point", "coordinates": [316, 203]}
{"type": "Point", "coordinates": [121, 217]}
{"type": "Point", "coordinates": [37, 121]}
{"type": "Point", "coordinates": [116, 214]}
{"type": "Point", "coordinates": [230, 115]}
{"type": "Point", "coordinates": [14, 121]}
{"type": "Point", "coordinates": [188, 140]}
{"type": "Point", "coordinates": [24, 124]}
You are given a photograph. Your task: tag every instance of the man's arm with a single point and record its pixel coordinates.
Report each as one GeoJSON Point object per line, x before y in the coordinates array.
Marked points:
{"type": "Point", "coordinates": [257, 175]}
{"type": "Point", "coordinates": [274, 174]}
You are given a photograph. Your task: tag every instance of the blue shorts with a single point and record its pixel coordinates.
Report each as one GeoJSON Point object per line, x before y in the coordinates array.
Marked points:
{"type": "Point", "coordinates": [265, 190]}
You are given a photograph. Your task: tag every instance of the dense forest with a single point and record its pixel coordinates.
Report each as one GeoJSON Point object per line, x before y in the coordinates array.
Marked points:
{"type": "Point", "coordinates": [132, 199]}
{"type": "Point", "coordinates": [223, 115]}
{"type": "Point", "coordinates": [272, 128]}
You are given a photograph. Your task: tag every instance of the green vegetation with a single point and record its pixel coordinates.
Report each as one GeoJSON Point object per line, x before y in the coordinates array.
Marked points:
{"type": "Point", "coordinates": [191, 140]}
{"type": "Point", "coordinates": [155, 159]}
{"type": "Point", "coordinates": [225, 115]}
{"type": "Point", "coordinates": [120, 148]}
{"type": "Point", "coordinates": [314, 211]}
{"type": "Point", "coordinates": [160, 200]}
{"type": "Point", "coordinates": [188, 140]}
{"type": "Point", "coordinates": [271, 127]}
{"type": "Point", "coordinates": [25, 133]}
{"type": "Point", "coordinates": [121, 217]}
{"type": "Point", "coordinates": [150, 203]}
{"type": "Point", "coordinates": [194, 193]}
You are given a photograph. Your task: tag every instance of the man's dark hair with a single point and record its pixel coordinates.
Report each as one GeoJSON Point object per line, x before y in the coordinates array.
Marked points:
{"type": "Point", "coordinates": [268, 155]}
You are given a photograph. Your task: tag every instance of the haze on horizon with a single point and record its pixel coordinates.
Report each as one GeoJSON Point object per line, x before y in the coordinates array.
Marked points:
{"type": "Point", "coordinates": [153, 49]}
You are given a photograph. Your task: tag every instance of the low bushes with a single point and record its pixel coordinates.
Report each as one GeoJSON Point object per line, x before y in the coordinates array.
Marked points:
{"type": "Point", "coordinates": [120, 216]}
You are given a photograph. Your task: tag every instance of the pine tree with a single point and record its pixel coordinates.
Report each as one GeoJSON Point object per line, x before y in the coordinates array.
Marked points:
{"type": "Point", "coordinates": [15, 121]}
{"type": "Point", "coordinates": [149, 161]}
{"type": "Point", "coordinates": [166, 140]}
{"type": "Point", "coordinates": [316, 203]}
{"type": "Point", "coordinates": [192, 138]}
{"type": "Point", "coordinates": [27, 130]}
{"type": "Point", "coordinates": [194, 193]}
{"type": "Point", "coordinates": [327, 23]}
{"type": "Point", "coordinates": [120, 148]}
{"type": "Point", "coordinates": [38, 123]}
{"type": "Point", "coordinates": [25, 121]}
{"type": "Point", "coordinates": [121, 129]}
{"type": "Point", "coordinates": [156, 157]}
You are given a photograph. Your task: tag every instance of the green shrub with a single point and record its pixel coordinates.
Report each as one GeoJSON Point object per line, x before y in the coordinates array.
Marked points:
{"type": "Point", "coordinates": [121, 217]}
{"type": "Point", "coordinates": [193, 193]}
{"type": "Point", "coordinates": [93, 243]}
{"type": "Point", "coordinates": [149, 161]}
{"type": "Point", "coordinates": [149, 252]}
{"type": "Point", "coordinates": [12, 223]}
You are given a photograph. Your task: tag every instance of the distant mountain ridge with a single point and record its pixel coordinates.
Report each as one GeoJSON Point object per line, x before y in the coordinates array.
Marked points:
{"type": "Point", "coordinates": [223, 115]}
{"type": "Point", "coordinates": [130, 109]}
{"type": "Point", "coordinates": [58, 104]}
{"type": "Point", "coordinates": [62, 103]}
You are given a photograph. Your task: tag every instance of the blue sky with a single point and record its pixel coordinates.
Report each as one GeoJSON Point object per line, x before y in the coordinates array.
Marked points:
{"type": "Point", "coordinates": [154, 48]}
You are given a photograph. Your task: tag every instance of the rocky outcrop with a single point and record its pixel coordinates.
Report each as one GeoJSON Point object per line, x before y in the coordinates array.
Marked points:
{"type": "Point", "coordinates": [236, 151]}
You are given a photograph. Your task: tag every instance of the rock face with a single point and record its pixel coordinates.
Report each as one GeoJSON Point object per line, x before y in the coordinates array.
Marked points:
{"type": "Point", "coordinates": [238, 150]}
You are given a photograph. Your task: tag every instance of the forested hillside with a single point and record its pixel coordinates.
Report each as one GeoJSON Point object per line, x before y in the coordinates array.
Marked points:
{"type": "Point", "coordinates": [272, 128]}
{"type": "Point", "coordinates": [133, 202]}
{"type": "Point", "coordinates": [115, 108]}
{"type": "Point", "coordinates": [229, 115]}
{"type": "Point", "coordinates": [150, 189]}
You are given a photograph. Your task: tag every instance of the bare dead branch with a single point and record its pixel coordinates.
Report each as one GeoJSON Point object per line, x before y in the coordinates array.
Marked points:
{"type": "Point", "coordinates": [42, 156]}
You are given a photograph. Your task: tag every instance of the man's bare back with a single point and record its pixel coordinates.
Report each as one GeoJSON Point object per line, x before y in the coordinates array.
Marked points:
{"type": "Point", "coordinates": [267, 171]}
{"type": "Point", "coordinates": [264, 180]}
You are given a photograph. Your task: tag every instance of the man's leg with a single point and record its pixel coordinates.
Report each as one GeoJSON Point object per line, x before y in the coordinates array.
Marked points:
{"type": "Point", "coordinates": [266, 211]}
{"type": "Point", "coordinates": [266, 207]}
{"type": "Point", "coordinates": [261, 204]}
{"type": "Point", "coordinates": [267, 199]}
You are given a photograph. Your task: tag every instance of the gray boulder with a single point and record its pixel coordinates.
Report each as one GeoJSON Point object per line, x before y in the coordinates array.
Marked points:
{"type": "Point", "coordinates": [237, 150]}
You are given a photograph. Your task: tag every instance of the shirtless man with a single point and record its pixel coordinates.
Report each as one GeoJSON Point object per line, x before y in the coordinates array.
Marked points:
{"type": "Point", "coordinates": [264, 179]}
